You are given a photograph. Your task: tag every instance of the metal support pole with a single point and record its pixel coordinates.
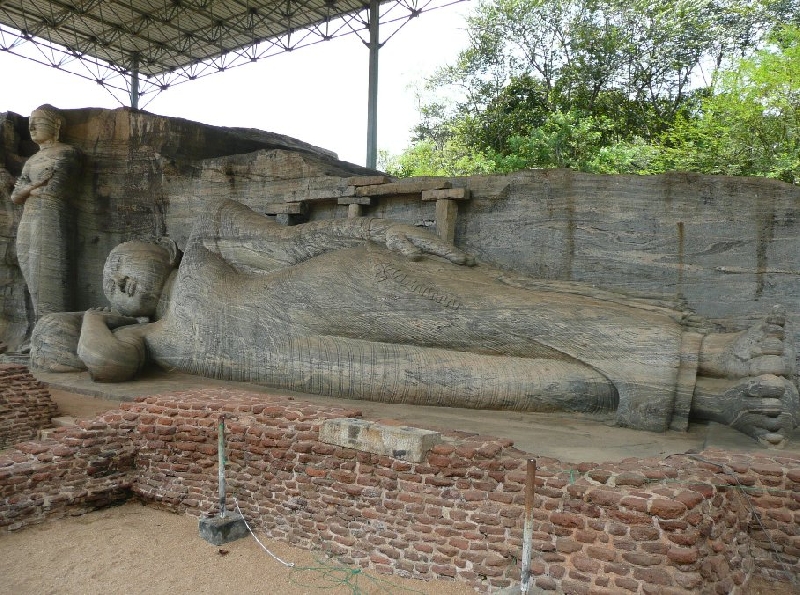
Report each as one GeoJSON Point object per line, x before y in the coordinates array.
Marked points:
{"type": "Point", "coordinates": [372, 103]}
{"type": "Point", "coordinates": [135, 81]}
{"type": "Point", "coordinates": [221, 457]}
{"type": "Point", "coordinates": [527, 531]}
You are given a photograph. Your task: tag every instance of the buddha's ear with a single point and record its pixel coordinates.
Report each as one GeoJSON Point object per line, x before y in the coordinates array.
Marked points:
{"type": "Point", "coordinates": [172, 249]}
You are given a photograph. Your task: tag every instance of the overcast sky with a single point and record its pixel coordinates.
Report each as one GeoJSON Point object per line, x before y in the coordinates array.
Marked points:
{"type": "Point", "coordinates": [317, 94]}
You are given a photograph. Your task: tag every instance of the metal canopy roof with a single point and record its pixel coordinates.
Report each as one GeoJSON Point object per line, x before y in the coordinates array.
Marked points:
{"type": "Point", "coordinates": [171, 41]}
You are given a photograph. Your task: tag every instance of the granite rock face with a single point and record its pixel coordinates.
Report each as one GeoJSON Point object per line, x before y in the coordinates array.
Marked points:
{"type": "Point", "coordinates": [134, 164]}
{"type": "Point", "coordinates": [727, 248]}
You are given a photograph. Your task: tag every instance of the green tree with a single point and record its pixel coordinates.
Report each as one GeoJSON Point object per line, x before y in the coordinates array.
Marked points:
{"type": "Point", "coordinates": [589, 84]}
{"type": "Point", "coordinates": [750, 124]}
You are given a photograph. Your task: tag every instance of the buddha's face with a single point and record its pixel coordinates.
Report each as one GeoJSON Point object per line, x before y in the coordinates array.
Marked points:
{"type": "Point", "coordinates": [43, 129]}
{"type": "Point", "coordinates": [133, 277]}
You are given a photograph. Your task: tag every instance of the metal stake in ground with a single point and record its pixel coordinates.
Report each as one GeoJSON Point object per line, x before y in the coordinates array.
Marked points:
{"type": "Point", "coordinates": [527, 532]}
{"type": "Point", "coordinates": [221, 457]}
{"type": "Point", "coordinates": [225, 527]}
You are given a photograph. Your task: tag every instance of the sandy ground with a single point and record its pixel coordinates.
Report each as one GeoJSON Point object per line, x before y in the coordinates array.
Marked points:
{"type": "Point", "coordinates": [134, 549]}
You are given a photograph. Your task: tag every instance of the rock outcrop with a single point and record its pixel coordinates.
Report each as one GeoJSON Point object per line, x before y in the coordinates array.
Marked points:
{"type": "Point", "coordinates": [728, 248]}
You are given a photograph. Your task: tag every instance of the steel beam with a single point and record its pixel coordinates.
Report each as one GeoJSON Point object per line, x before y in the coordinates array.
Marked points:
{"type": "Point", "coordinates": [372, 101]}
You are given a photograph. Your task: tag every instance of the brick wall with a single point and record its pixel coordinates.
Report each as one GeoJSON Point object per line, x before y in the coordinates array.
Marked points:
{"type": "Point", "coordinates": [683, 524]}
{"type": "Point", "coordinates": [25, 405]}
{"type": "Point", "coordinates": [77, 470]}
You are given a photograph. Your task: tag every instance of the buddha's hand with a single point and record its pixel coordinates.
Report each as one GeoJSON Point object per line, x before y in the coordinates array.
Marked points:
{"type": "Point", "coordinates": [111, 318]}
{"type": "Point", "coordinates": [413, 242]}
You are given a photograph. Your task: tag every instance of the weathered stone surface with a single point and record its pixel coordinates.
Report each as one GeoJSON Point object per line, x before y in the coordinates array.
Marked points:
{"type": "Point", "coordinates": [560, 238]}
{"type": "Point", "coordinates": [306, 309]}
{"type": "Point", "coordinates": [446, 219]}
{"type": "Point", "coordinates": [406, 186]}
{"type": "Point", "coordinates": [398, 442]}
{"type": "Point", "coordinates": [15, 148]}
{"type": "Point", "coordinates": [218, 530]}
{"type": "Point", "coordinates": [147, 176]}
{"type": "Point", "coordinates": [727, 246]}
{"type": "Point", "coordinates": [47, 187]}
{"type": "Point", "coordinates": [368, 180]}
{"type": "Point", "coordinates": [448, 193]}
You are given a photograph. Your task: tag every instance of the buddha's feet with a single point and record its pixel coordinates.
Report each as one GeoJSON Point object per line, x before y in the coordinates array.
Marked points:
{"type": "Point", "coordinates": [766, 407]}
{"type": "Point", "coordinates": [761, 349]}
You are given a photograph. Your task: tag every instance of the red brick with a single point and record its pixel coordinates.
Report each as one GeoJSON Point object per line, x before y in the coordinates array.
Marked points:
{"type": "Point", "coordinates": [644, 533]}
{"type": "Point", "coordinates": [767, 469]}
{"type": "Point", "coordinates": [694, 518]}
{"type": "Point", "coordinates": [459, 543]}
{"type": "Point", "coordinates": [566, 519]}
{"type": "Point", "coordinates": [627, 583]}
{"type": "Point", "coordinates": [638, 504]}
{"type": "Point", "coordinates": [436, 460]}
{"type": "Point", "coordinates": [589, 536]}
{"type": "Point", "coordinates": [567, 546]}
{"type": "Point", "coordinates": [572, 588]}
{"type": "Point", "coordinates": [667, 508]}
{"type": "Point", "coordinates": [657, 576]}
{"type": "Point", "coordinates": [655, 547]}
{"type": "Point", "coordinates": [31, 448]}
{"type": "Point", "coordinates": [680, 555]}
{"type": "Point", "coordinates": [632, 517]}
{"type": "Point", "coordinates": [444, 570]}
{"type": "Point", "coordinates": [630, 479]}
{"type": "Point", "coordinates": [546, 583]}
{"type": "Point", "coordinates": [603, 497]}
{"type": "Point", "coordinates": [600, 475]}
{"type": "Point", "coordinates": [600, 553]}
{"type": "Point", "coordinates": [689, 580]}
{"type": "Point", "coordinates": [557, 571]}
{"type": "Point", "coordinates": [617, 529]}
{"type": "Point", "coordinates": [641, 559]}
{"type": "Point", "coordinates": [585, 564]}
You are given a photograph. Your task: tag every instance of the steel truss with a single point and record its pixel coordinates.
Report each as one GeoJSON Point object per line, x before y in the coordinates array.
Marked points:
{"type": "Point", "coordinates": [136, 49]}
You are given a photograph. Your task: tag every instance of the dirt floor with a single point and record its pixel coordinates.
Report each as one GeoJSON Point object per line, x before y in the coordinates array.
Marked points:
{"type": "Point", "coordinates": [135, 549]}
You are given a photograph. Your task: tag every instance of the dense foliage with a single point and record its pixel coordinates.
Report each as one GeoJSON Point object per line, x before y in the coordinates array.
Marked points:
{"type": "Point", "coordinates": [617, 86]}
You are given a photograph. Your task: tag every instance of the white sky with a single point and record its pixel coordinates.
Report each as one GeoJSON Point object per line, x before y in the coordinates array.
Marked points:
{"type": "Point", "coordinates": [317, 94]}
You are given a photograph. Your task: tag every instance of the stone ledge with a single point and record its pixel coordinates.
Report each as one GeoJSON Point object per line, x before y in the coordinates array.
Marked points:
{"type": "Point", "coordinates": [447, 194]}
{"type": "Point", "coordinates": [399, 442]}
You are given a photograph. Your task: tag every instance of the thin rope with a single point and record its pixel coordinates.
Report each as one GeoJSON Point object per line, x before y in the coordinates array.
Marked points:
{"type": "Point", "coordinates": [753, 512]}
{"type": "Point", "coordinates": [258, 541]}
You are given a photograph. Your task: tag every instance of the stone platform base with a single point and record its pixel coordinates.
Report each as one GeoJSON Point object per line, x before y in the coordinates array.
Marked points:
{"type": "Point", "coordinates": [219, 530]}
